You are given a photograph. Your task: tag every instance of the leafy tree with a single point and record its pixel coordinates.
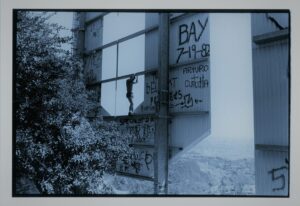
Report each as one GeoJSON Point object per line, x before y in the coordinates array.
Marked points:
{"type": "Point", "coordinates": [56, 147]}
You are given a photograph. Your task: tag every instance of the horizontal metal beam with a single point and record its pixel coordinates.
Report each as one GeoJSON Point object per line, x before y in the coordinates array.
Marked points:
{"type": "Point", "coordinates": [180, 17]}
{"type": "Point", "coordinates": [192, 113]}
{"type": "Point", "coordinates": [141, 177]}
{"type": "Point", "coordinates": [131, 117]}
{"type": "Point", "coordinates": [185, 63]}
{"type": "Point", "coordinates": [267, 147]}
{"type": "Point", "coordinates": [145, 145]}
{"type": "Point", "coordinates": [141, 145]}
{"type": "Point", "coordinates": [271, 36]}
{"type": "Point", "coordinates": [154, 116]}
{"type": "Point", "coordinates": [176, 148]}
{"type": "Point", "coordinates": [92, 20]}
{"type": "Point", "coordinates": [131, 36]}
{"type": "Point", "coordinates": [147, 71]}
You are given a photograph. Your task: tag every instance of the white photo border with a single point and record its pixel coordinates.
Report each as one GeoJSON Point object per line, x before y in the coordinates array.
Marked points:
{"type": "Point", "coordinates": [6, 36]}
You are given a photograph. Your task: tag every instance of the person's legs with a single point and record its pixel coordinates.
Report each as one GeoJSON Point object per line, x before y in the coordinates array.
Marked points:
{"type": "Point", "coordinates": [129, 97]}
{"type": "Point", "coordinates": [131, 104]}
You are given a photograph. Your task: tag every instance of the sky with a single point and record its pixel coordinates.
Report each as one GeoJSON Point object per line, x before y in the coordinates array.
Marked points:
{"type": "Point", "coordinates": [230, 62]}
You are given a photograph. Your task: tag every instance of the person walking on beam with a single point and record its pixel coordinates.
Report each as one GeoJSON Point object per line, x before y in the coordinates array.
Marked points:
{"type": "Point", "coordinates": [129, 84]}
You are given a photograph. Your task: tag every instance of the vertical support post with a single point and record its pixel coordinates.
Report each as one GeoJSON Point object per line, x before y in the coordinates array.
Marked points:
{"type": "Point", "coordinates": [116, 82]}
{"type": "Point", "coordinates": [161, 131]}
{"type": "Point", "coordinates": [81, 34]}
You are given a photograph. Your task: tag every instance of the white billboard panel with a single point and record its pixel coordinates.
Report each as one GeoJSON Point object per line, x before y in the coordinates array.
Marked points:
{"type": "Point", "coordinates": [189, 88]}
{"type": "Point", "coordinates": [189, 80]}
{"type": "Point", "coordinates": [189, 38]}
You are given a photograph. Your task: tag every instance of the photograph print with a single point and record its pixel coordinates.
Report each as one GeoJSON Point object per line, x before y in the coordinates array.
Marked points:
{"type": "Point", "coordinates": [151, 103]}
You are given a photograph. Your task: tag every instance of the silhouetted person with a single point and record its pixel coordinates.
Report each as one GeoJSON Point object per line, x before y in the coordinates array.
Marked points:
{"type": "Point", "coordinates": [129, 84]}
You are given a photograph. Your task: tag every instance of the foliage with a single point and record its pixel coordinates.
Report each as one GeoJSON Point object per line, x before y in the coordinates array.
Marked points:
{"type": "Point", "coordinates": [56, 146]}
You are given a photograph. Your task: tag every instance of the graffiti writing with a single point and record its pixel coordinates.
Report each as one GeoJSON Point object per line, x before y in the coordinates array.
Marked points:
{"type": "Point", "coordinates": [195, 69]}
{"type": "Point", "coordinates": [278, 174]}
{"type": "Point", "coordinates": [177, 99]}
{"type": "Point", "coordinates": [185, 84]}
{"type": "Point", "coordinates": [172, 82]}
{"type": "Point", "coordinates": [151, 97]}
{"type": "Point", "coordinates": [151, 87]}
{"type": "Point", "coordinates": [140, 130]}
{"type": "Point", "coordinates": [192, 52]}
{"type": "Point", "coordinates": [140, 163]}
{"type": "Point", "coordinates": [196, 82]}
{"type": "Point", "coordinates": [189, 44]}
{"type": "Point", "coordinates": [194, 30]}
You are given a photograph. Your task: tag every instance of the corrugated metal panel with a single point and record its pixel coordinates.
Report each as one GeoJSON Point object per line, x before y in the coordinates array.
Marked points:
{"type": "Point", "coordinates": [271, 173]}
{"type": "Point", "coordinates": [263, 24]}
{"type": "Point", "coordinates": [93, 35]}
{"type": "Point", "coordinates": [271, 103]}
{"type": "Point", "coordinates": [271, 90]}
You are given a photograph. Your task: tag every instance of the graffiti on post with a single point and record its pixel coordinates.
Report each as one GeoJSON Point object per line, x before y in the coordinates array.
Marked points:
{"type": "Point", "coordinates": [141, 132]}
{"type": "Point", "coordinates": [279, 174]}
{"type": "Point", "coordinates": [151, 94]}
{"type": "Point", "coordinates": [139, 163]}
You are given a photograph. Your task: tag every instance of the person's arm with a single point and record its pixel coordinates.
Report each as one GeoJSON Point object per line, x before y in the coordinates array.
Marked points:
{"type": "Point", "coordinates": [136, 79]}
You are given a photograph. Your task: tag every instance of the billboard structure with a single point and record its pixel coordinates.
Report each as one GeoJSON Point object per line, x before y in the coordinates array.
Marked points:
{"type": "Point", "coordinates": [174, 110]}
